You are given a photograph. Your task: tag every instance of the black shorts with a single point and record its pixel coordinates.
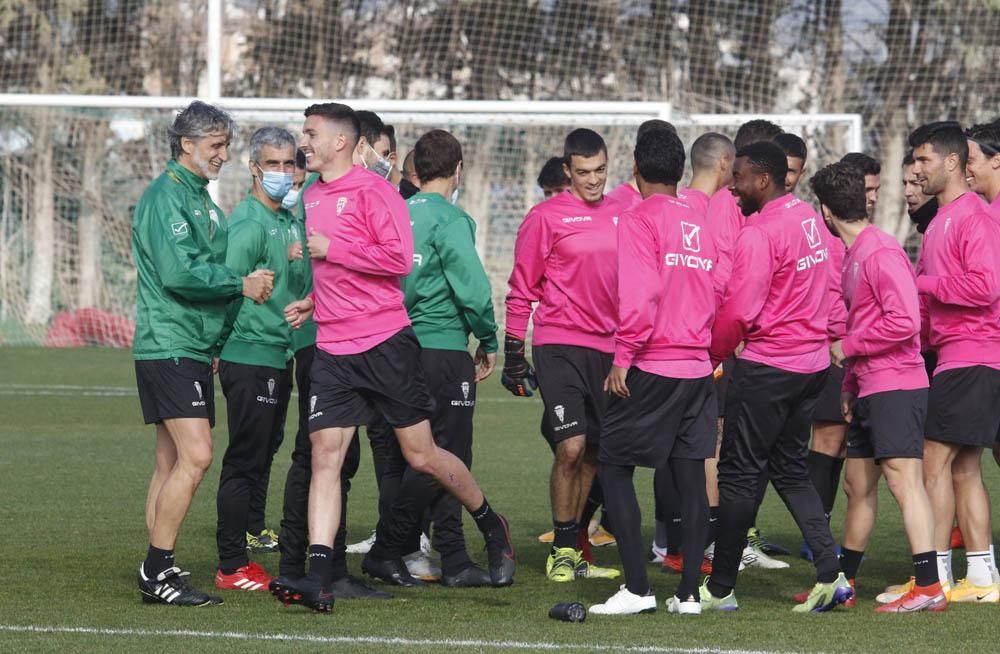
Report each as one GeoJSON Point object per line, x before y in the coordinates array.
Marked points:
{"type": "Point", "coordinates": [888, 425]}
{"type": "Point", "coordinates": [663, 418]}
{"type": "Point", "coordinates": [962, 407]}
{"type": "Point", "coordinates": [571, 380]}
{"type": "Point", "coordinates": [346, 389]}
{"type": "Point", "coordinates": [828, 402]}
{"type": "Point", "coordinates": [175, 388]}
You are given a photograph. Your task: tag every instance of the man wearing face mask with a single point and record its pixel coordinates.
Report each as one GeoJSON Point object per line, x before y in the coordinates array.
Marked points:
{"type": "Point", "coordinates": [253, 364]}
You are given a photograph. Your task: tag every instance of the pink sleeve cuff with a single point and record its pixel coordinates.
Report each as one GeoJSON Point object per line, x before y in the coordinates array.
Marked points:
{"type": "Point", "coordinates": [926, 284]}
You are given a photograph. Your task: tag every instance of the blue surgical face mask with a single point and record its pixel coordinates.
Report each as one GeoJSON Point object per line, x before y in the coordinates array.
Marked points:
{"type": "Point", "coordinates": [291, 199]}
{"type": "Point", "coordinates": [275, 184]}
{"type": "Point", "coordinates": [454, 196]}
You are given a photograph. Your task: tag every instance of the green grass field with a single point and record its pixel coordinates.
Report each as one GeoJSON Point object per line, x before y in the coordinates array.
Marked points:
{"type": "Point", "coordinates": [73, 472]}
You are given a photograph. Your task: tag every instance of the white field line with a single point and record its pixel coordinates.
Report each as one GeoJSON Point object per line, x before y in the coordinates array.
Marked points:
{"type": "Point", "coordinates": [368, 640]}
{"type": "Point", "coordinates": [70, 390]}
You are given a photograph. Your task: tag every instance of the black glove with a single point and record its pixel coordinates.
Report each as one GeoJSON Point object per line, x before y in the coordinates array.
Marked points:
{"type": "Point", "coordinates": [518, 377]}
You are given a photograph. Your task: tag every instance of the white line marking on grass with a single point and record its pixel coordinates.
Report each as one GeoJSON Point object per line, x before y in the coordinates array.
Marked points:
{"type": "Point", "coordinates": [369, 640]}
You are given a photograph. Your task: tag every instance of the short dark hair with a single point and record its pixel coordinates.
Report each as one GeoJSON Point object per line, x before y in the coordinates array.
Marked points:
{"type": "Point", "coordinates": [840, 187]}
{"type": "Point", "coordinates": [338, 113]}
{"type": "Point", "coordinates": [708, 148]}
{"type": "Point", "coordinates": [372, 126]}
{"type": "Point", "coordinates": [436, 155]}
{"type": "Point", "coordinates": [552, 174]}
{"type": "Point", "coordinates": [987, 135]}
{"type": "Point", "coordinates": [767, 159]}
{"type": "Point", "coordinates": [755, 130]}
{"type": "Point", "coordinates": [659, 156]}
{"type": "Point", "coordinates": [300, 159]}
{"type": "Point", "coordinates": [390, 133]}
{"type": "Point", "coordinates": [653, 123]}
{"type": "Point", "coordinates": [945, 137]}
{"type": "Point", "coordinates": [583, 142]}
{"type": "Point", "coordinates": [792, 145]}
{"type": "Point", "coordinates": [908, 158]}
{"type": "Point", "coordinates": [865, 164]}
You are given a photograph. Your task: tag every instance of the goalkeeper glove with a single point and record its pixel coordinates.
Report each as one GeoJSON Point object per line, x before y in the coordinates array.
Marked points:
{"type": "Point", "coordinates": [518, 377]}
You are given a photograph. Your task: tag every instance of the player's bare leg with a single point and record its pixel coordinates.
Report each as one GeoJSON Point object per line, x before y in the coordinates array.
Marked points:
{"type": "Point", "coordinates": [166, 457]}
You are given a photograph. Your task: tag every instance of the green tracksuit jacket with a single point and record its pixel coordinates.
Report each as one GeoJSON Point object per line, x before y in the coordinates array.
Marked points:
{"type": "Point", "coordinates": [179, 239]}
{"type": "Point", "coordinates": [259, 238]}
{"type": "Point", "coordinates": [300, 271]}
{"type": "Point", "coordinates": [448, 293]}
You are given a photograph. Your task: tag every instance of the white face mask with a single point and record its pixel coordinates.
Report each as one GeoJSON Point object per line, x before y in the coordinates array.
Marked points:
{"type": "Point", "coordinates": [381, 167]}
{"type": "Point", "coordinates": [291, 199]}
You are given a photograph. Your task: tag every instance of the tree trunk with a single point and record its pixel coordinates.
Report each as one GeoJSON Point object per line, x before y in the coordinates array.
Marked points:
{"type": "Point", "coordinates": [89, 223]}
{"type": "Point", "coordinates": [43, 226]}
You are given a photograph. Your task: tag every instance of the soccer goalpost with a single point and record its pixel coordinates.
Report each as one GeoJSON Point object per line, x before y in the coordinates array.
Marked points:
{"type": "Point", "coordinates": [73, 166]}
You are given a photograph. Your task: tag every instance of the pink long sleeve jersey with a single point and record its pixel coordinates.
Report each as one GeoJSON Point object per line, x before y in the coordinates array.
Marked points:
{"type": "Point", "coordinates": [883, 317]}
{"type": "Point", "coordinates": [958, 277]}
{"type": "Point", "coordinates": [666, 300]}
{"type": "Point", "coordinates": [565, 258]}
{"type": "Point", "coordinates": [725, 220]}
{"type": "Point", "coordinates": [624, 194]}
{"type": "Point", "coordinates": [356, 288]}
{"type": "Point", "coordinates": [778, 297]}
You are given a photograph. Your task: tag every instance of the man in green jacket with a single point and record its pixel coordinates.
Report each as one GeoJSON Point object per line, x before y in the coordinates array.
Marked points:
{"type": "Point", "coordinates": [179, 239]}
{"type": "Point", "coordinates": [448, 297]}
{"type": "Point", "coordinates": [253, 366]}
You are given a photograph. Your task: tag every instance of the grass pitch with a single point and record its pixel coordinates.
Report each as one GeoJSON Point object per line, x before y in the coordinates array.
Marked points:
{"type": "Point", "coordinates": [74, 467]}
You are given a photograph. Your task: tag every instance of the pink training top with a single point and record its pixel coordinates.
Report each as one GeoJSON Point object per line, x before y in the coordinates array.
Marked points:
{"type": "Point", "coordinates": [883, 318]}
{"type": "Point", "coordinates": [697, 199]}
{"type": "Point", "coordinates": [725, 220]}
{"type": "Point", "coordinates": [356, 289]}
{"type": "Point", "coordinates": [666, 300]}
{"type": "Point", "coordinates": [624, 194]}
{"type": "Point", "coordinates": [836, 327]}
{"type": "Point", "coordinates": [778, 298]}
{"type": "Point", "coordinates": [566, 259]}
{"type": "Point", "coordinates": [958, 277]}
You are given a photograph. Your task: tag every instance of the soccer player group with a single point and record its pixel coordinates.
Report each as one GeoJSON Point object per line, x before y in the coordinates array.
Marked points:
{"type": "Point", "coordinates": [726, 334]}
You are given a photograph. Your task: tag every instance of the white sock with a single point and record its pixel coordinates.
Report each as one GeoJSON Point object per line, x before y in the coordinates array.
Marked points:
{"type": "Point", "coordinates": [980, 570]}
{"type": "Point", "coordinates": [944, 566]}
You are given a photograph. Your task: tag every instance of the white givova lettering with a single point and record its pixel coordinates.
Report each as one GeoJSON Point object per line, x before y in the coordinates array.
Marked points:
{"type": "Point", "coordinates": [577, 219]}
{"type": "Point", "coordinates": [814, 259]}
{"type": "Point", "coordinates": [418, 259]}
{"type": "Point", "coordinates": [679, 260]}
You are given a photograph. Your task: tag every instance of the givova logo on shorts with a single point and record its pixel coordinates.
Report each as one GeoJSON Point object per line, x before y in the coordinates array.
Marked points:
{"type": "Point", "coordinates": [201, 397]}
{"type": "Point", "coordinates": [465, 387]}
{"type": "Point", "coordinates": [270, 399]}
{"type": "Point", "coordinates": [312, 408]}
{"type": "Point", "coordinates": [560, 412]}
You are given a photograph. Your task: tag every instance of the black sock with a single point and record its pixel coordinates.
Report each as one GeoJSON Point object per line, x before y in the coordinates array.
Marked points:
{"type": "Point", "coordinates": [228, 571]}
{"type": "Point", "coordinates": [713, 525]}
{"type": "Point", "coordinates": [320, 560]}
{"type": "Point", "coordinates": [925, 570]}
{"type": "Point", "coordinates": [850, 561]}
{"type": "Point", "coordinates": [565, 534]}
{"type": "Point", "coordinates": [487, 520]}
{"type": "Point", "coordinates": [673, 524]}
{"type": "Point", "coordinates": [821, 471]}
{"type": "Point", "coordinates": [157, 561]}
{"type": "Point", "coordinates": [835, 469]}
{"type": "Point", "coordinates": [718, 590]}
